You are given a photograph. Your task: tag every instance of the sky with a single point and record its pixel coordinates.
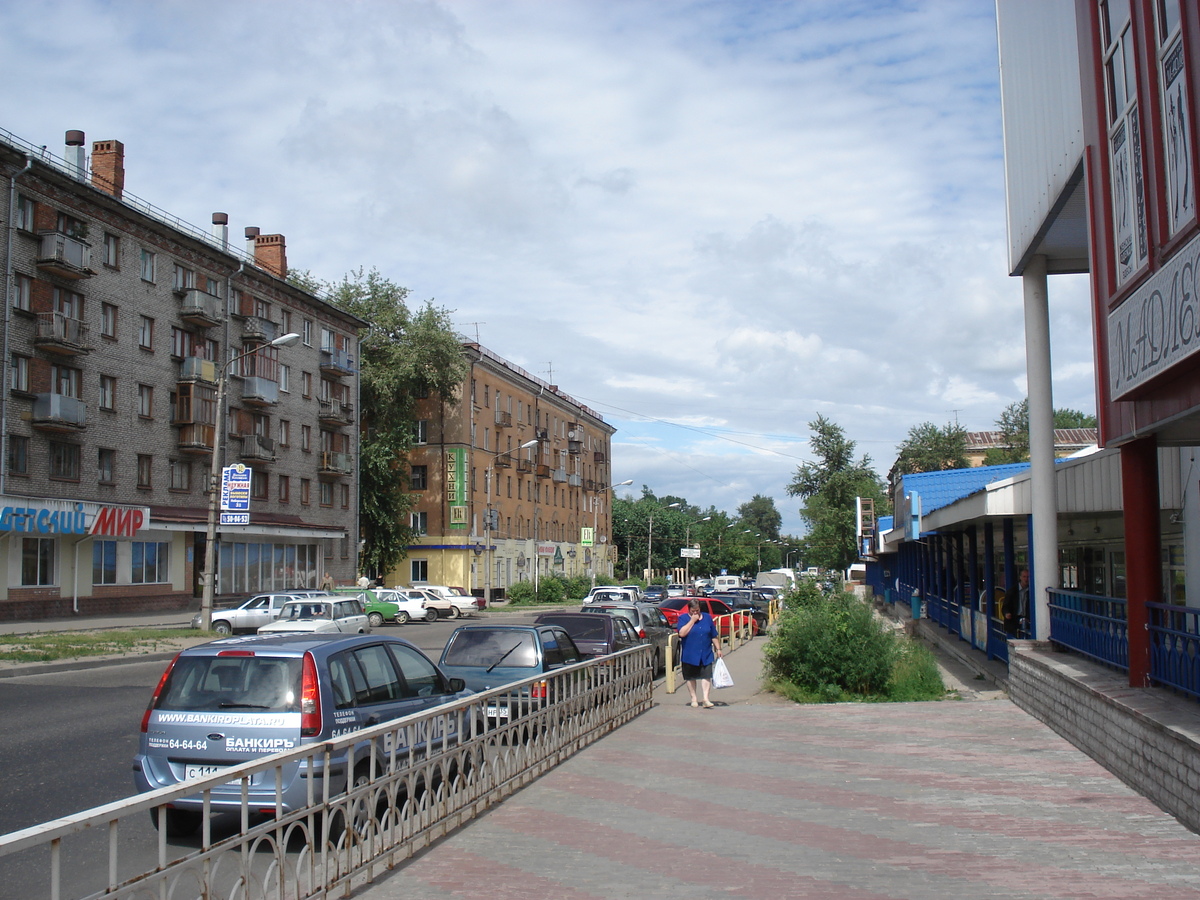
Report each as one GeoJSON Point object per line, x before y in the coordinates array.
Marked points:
{"type": "Point", "coordinates": [709, 221]}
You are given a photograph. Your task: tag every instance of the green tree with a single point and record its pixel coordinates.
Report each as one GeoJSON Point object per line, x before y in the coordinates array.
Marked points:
{"type": "Point", "coordinates": [405, 354]}
{"type": "Point", "coordinates": [1013, 425]}
{"type": "Point", "coordinates": [761, 516]}
{"type": "Point", "coordinates": [931, 449]}
{"type": "Point", "coordinates": [829, 487]}
{"type": "Point", "coordinates": [1073, 418]}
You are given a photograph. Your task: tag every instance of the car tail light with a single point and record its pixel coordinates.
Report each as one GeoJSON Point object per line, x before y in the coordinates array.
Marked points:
{"type": "Point", "coordinates": [538, 690]}
{"type": "Point", "coordinates": [310, 699]}
{"type": "Point", "coordinates": [158, 690]}
{"type": "Point", "coordinates": [642, 633]}
{"type": "Point", "coordinates": [236, 653]}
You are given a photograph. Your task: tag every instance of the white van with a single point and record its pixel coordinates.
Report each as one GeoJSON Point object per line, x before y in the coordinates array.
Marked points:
{"type": "Point", "coordinates": [727, 582]}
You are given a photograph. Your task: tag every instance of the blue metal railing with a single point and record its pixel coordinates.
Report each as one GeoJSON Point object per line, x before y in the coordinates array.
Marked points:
{"type": "Point", "coordinates": [1092, 625]}
{"type": "Point", "coordinates": [1175, 647]}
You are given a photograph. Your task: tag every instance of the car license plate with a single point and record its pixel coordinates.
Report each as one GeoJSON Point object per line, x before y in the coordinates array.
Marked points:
{"type": "Point", "coordinates": [190, 772]}
{"type": "Point", "coordinates": [497, 712]}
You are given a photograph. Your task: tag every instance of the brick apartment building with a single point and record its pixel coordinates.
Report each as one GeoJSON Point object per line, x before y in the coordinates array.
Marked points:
{"type": "Point", "coordinates": [119, 322]}
{"type": "Point", "coordinates": [548, 460]}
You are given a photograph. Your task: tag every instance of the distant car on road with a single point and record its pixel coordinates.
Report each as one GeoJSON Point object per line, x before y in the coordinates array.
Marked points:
{"type": "Point", "coordinates": [250, 613]}
{"type": "Point", "coordinates": [317, 615]}
{"type": "Point", "coordinates": [673, 608]}
{"type": "Point", "coordinates": [447, 601]}
{"type": "Point", "coordinates": [274, 692]}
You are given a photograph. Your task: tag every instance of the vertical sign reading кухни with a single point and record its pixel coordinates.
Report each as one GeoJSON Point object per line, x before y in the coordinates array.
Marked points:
{"type": "Point", "coordinates": [456, 487]}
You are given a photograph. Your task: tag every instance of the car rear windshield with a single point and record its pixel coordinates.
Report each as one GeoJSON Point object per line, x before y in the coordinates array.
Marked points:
{"type": "Point", "coordinates": [491, 648]}
{"type": "Point", "coordinates": [207, 683]}
{"type": "Point", "coordinates": [581, 629]}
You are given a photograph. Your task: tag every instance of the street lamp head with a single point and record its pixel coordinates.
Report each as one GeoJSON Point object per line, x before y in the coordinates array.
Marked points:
{"type": "Point", "coordinates": [622, 483]}
{"type": "Point", "coordinates": [285, 340]}
{"type": "Point", "coordinates": [528, 444]}
{"type": "Point", "coordinates": [672, 506]}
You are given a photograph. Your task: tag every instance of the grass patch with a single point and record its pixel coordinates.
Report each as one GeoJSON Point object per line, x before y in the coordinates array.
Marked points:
{"type": "Point", "coordinates": [48, 647]}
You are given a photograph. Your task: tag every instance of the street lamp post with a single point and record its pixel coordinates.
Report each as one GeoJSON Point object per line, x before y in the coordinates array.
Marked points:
{"type": "Point", "coordinates": [650, 538]}
{"type": "Point", "coordinates": [214, 477]}
{"type": "Point", "coordinates": [596, 521]}
{"type": "Point", "coordinates": [487, 518]}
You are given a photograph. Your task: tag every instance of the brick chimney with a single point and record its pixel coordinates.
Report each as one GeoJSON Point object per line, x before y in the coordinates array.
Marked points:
{"type": "Point", "coordinates": [108, 167]}
{"type": "Point", "coordinates": [270, 253]}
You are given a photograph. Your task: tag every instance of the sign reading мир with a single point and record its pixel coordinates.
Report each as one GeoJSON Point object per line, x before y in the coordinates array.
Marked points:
{"type": "Point", "coordinates": [456, 487]}
{"type": "Point", "coordinates": [1158, 325]}
{"type": "Point", "coordinates": [73, 517]}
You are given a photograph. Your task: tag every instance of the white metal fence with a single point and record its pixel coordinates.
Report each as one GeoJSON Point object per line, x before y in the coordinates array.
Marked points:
{"type": "Point", "coordinates": [411, 781]}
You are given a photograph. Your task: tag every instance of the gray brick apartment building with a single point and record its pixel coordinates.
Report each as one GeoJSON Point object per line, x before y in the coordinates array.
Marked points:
{"type": "Point", "coordinates": [119, 322]}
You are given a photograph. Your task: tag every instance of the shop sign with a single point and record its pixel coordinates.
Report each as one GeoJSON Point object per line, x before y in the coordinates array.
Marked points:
{"type": "Point", "coordinates": [72, 517]}
{"type": "Point", "coordinates": [546, 549]}
{"type": "Point", "coordinates": [456, 486]}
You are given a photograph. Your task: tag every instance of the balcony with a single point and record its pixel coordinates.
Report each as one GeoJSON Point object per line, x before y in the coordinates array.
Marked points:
{"type": "Point", "coordinates": [599, 457]}
{"type": "Point", "coordinates": [591, 485]}
{"type": "Point", "coordinates": [575, 447]}
{"type": "Point", "coordinates": [543, 471]}
{"type": "Point", "coordinates": [336, 362]}
{"type": "Point", "coordinates": [559, 475]}
{"type": "Point", "coordinates": [575, 480]}
{"type": "Point", "coordinates": [503, 462]}
{"type": "Point", "coordinates": [524, 465]}
{"type": "Point", "coordinates": [64, 256]}
{"type": "Point", "coordinates": [256, 328]}
{"type": "Point", "coordinates": [58, 333]}
{"type": "Point", "coordinates": [334, 463]}
{"type": "Point", "coordinates": [335, 412]}
{"type": "Point", "coordinates": [57, 413]}
{"type": "Point", "coordinates": [503, 419]}
{"type": "Point", "coordinates": [195, 368]}
{"type": "Point", "coordinates": [257, 447]}
{"type": "Point", "coordinates": [258, 391]}
{"type": "Point", "coordinates": [197, 438]}
{"type": "Point", "coordinates": [200, 308]}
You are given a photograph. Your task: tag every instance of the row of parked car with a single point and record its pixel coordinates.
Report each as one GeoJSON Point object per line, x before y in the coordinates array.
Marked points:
{"type": "Point", "coordinates": [319, 611]}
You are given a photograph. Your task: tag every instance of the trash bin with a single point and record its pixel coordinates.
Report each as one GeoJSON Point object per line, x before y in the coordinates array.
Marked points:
{"type": "Point", "coordinates": [916, 605]}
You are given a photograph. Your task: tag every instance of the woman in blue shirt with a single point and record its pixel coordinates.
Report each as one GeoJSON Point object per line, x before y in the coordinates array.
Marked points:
{"type": "Point", "coordinates": [700, 645]}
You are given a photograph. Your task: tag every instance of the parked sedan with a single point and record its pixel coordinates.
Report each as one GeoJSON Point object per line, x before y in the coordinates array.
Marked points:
{"type": "Point", "coordinates": [248, 615]}
{"type": "Point", "coordinates": [674, 607]}
{"type": "Point", "coordinates": [447, 601]}
{"type": "Point", "coordinates": [648, 621]}
{"type": "Point", "coordinates": [399, 606]}
{"type": "Point", "coordinates": [594, 635]}
{"type": "Point", "coordinates": [316, 615]}
{"type": "Point", "coordinates": [490, 656]}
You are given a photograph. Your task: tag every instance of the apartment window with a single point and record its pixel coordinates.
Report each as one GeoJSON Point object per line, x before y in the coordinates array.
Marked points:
{"type": "Point", "coordinates": [147, 265]}
{"type": "Point", "coordinates": [108, 392]}
{"type": "Point", "coordinates": [285, 489]}
{"type": "Point", "coordinates": [285, 433]}
{"type": "Point", "coordinates": [150, 560]}
{"type": "Point", "coordinates": [68, 303]}
{"type": "Point", "coordinates": [23, 293]}
{"type": "Point", "coordinates": [108, 321]}
{"type": "Point", "coordinates": [345, 492]}
{"type": "Point", "coordinates": [419, 570]}
{"type": "Point", "coordinates": [26, 210]}
{"type": "Point", "coordinates": [71, 226]}
{"type": "Point", "coordinates": [145, 401]}
{"type": "Point", "coordinates": [285, 321]}
{"type": "Point", "coordinates": [306, 384]}
{"type": "Point", "coordinates": [145, 470]}
{"type": "Point", "coordinates": [259, 485]}
{"type": "Point", "coordinates": [285, 378]}
{"type": "Point", "coordinates": [64, 461]}
{"type": "Point", "coordinates": [112, 251]}
{"type": "Point", "coordinates": [306, 438]}
{"type": "Point", "coordinates": [305, 491]}
{"type": "Point", "coordinates": [65, 381]}
{"type": "Point", "coordinates": [212, 286]}
{"type": "Point", "coordinates": [262, 308]}
{"type": "Point", "coordinates": [104, 562]}
{"type": "Point", "coordinates": [183, 278]}
{"type": "Point", "coordinates": [20, 372]}
{"type": "Point", "coordinates": [418, 478]}
{"type": "Point", "coordinates": [326, 493]}
{"type": "Point", "coordinates": [421, 431]}
{"type": "Point", "coordinates": [420, 523]}
{"type": "Point", "coordinates": [487, 395]}
{"type": "Point", "coordinates": [181, 475]}
{"type": "Point", "coordinates": [181, 342]}
{"type": "Point", "coordinates": [18, 454]}
{"type": "Point", "coordinates": [37, 561]}
{"type": "Point", "coordinates": [106, 465]}
{"type": "Point", "coordinates": [146, 333]}
{"type": "Point", "coordinates": [307, 333]}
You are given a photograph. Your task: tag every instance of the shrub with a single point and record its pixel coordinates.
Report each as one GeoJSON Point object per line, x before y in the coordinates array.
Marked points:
{"type": "Point", "coordinates": [915, 675]}
{"type": "Point", "coordinates": [520, 592]}
{"type": "Point", "coordinates": [577, 586]}
{"type": "Point", "coordinates": [831, 646]}
{"type": "Point", "coordinates": [551, 589]}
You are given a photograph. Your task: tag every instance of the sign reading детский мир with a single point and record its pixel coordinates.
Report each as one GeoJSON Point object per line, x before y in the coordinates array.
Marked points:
{"type": "Point", "coordinates": [34, 516]}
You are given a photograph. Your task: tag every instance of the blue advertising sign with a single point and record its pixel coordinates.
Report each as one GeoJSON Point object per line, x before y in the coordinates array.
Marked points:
{"type": "Point", "coordinates": [235, 494]}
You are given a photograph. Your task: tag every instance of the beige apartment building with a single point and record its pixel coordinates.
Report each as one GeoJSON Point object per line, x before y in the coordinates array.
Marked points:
{"type": "Point", "coordinates": [513, 483]}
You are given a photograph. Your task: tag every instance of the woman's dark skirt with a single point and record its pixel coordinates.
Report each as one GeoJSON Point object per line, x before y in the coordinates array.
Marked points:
{"type": "Point", "coordinates": [697, 673]}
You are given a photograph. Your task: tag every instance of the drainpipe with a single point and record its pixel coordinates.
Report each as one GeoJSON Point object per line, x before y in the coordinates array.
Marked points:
{"type": "Point", "coordinates": [8, 288]}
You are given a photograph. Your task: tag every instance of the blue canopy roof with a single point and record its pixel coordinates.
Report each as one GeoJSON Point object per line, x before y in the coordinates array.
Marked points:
{"type": "Point", "coordinates": [938, 489]}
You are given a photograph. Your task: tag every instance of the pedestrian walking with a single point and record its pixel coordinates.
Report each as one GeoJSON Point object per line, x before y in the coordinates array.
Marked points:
{"type": "Point", "coordinates": [327, 583]}
{"type": "Point", "coordinates": [700, 646]}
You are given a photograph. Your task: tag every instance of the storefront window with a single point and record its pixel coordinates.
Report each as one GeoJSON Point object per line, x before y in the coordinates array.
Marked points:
{"type": "Point", "coordinates": [104, 562]}
{"type": "Point", "coordinates": [37, 561]}
{"type": "Point", "coordinates": [150, 562]}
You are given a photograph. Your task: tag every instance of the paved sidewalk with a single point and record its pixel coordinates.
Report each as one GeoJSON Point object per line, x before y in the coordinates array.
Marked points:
{"type": "Point", "coordinates": [760, 798]}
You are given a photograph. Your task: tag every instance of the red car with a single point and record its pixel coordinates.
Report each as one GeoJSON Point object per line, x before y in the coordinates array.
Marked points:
{"type": "Point", "coordinates": [674, 607]}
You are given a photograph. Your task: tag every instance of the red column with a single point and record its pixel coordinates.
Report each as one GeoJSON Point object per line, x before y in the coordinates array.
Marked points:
{"type": "Point", "coordinates": [1143, 548]}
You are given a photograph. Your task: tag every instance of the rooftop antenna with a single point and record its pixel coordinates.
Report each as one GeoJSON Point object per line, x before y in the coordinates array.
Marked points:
{"type": "Point", "coordinates": [476, 324]}
{"type": "Point", "coordinates": [550, 371]}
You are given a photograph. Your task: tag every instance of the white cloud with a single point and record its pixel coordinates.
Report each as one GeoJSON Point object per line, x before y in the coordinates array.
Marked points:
{"type": "Point", "coordinates": [727, 216]}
